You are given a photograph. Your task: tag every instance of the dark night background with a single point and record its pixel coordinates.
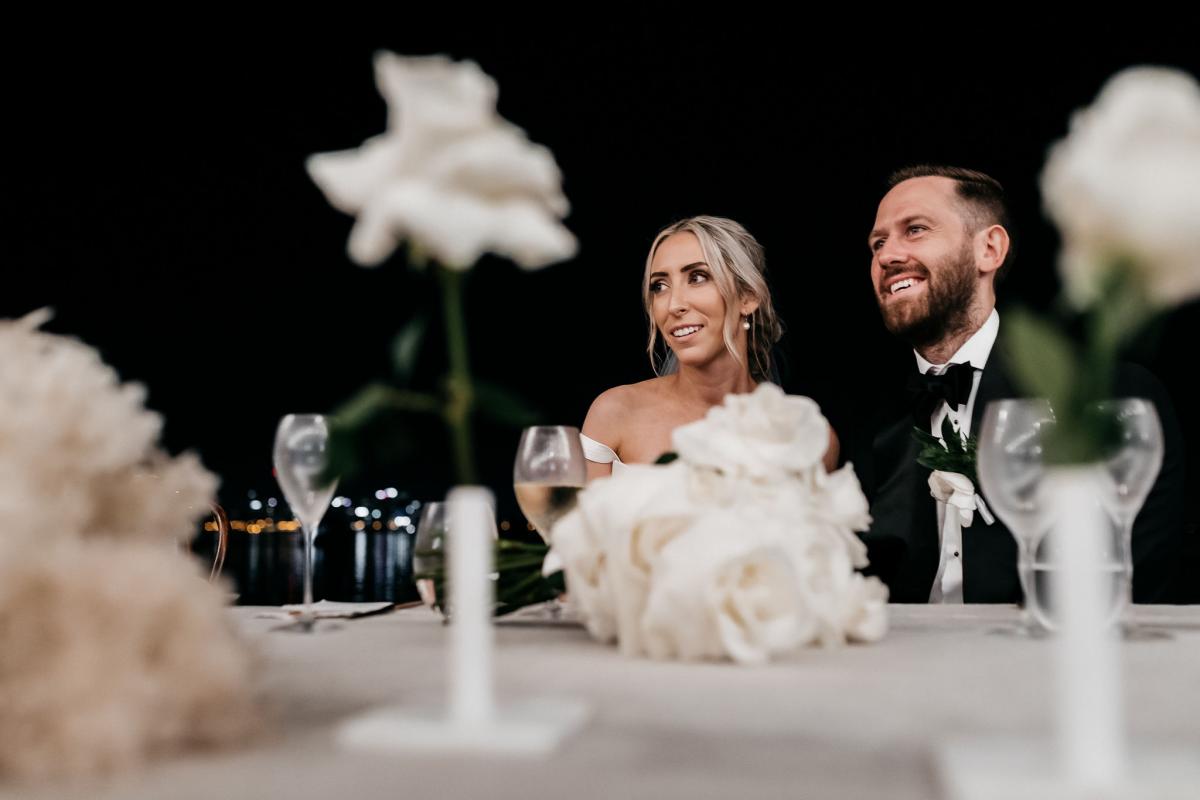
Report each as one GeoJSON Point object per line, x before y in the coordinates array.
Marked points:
{"type": "Point", "coordinates": [156, 197]}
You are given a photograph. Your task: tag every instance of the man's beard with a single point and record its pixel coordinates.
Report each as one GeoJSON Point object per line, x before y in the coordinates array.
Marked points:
{"type": "Point", "coordinates": [943, 309]}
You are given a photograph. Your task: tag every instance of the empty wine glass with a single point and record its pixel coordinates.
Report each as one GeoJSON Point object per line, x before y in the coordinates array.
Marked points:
{"type": "Point", "coordinates": [301, 460]}
{"type": "Point", "coordinates": [429, 550]}
{"type": "Point", "coordinates": [429, 554]}
{"type": "Point", "coordinates": [1133, 467]}
{"type": "Point", "coordinates": [1010, 467]}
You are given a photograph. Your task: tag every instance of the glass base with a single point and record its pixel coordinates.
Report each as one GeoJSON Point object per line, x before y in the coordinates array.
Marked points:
{"type": "Point", "coordinates": [1002, 769]}
{"type": "Point", "coordinates": [530, 728]}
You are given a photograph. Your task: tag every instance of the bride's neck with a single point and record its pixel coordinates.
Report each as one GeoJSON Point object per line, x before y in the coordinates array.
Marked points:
{"type": "Point", "coordinates": [709, 384]}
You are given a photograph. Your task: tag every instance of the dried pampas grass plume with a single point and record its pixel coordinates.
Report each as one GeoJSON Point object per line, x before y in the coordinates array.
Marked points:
{"type": "Point", "coordinates": [81, 455]}
{"type": "Point", "coordinates": [113, 648]}
{"type": "Point", "coordinates": [113, 653]}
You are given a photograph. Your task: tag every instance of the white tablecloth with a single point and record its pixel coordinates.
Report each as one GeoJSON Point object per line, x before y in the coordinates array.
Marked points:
{"type": "Point", "coordinates": [857, 722]}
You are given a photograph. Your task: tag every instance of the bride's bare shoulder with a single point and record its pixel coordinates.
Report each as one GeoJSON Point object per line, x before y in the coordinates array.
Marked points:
{"type": "Point", "coordinates": [611, 410]}
{"type": "Point", "coordinates": [628, 398]}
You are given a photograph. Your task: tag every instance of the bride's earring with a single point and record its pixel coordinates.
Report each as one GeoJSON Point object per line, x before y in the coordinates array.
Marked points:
{"type": "Point", "coordinates": [746, 323]}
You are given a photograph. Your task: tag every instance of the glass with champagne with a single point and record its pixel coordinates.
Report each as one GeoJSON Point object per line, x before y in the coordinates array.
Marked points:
{"type": "Point", "coordinates": [548, 472]}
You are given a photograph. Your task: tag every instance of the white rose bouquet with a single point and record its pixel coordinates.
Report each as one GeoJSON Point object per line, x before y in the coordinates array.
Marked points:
{"type": "Point", "coordinates": [742, 548]}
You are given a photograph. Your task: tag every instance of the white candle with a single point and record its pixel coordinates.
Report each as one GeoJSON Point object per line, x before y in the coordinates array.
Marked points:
{"type": "Point", "coordinates": [1090, 724]}
{"type": "Point", "coordinates": [469, 541]}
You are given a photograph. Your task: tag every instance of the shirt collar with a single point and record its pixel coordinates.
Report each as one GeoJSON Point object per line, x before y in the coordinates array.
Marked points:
{"type": "Point", "coordinates": [974, 351]}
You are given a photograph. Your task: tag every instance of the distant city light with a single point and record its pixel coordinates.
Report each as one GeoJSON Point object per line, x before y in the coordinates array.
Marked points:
{"type": "Point", "coordinates": [377, 525]}
{"type": "Point", "coordinates": [256, 504]}
{"type": "Point", "coordinates": [504, 525]}
{"type": "Point", "coordinates": [412, 507]}
{"type": "Point", "coordinates": [361, 511]}
{"type": "Point", "coordinates": [391, 492]}
{"type": "Point", "coordinates": [377, 513]}
{"type": "Point", "coordinates": [411, 529]}
{"type": "Point", "coordinates": [403, 520]}
{"type": "Point", "coordinates": [272, 502]}
{"type": "Point", "coordinates": [381, 495]}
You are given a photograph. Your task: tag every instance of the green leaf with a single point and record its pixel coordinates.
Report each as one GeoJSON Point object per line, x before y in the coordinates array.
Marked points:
{"type": "Point", "coordinates": [951, 437]}
{"type": "Point", "coordinates": [406, 346]}
{"type": "Point", "coordinates": [376, 427]}
{"type": "Point", "coordinates": [1043, 360]}
{"type": "Point", "coordinates": [1122, 308]}
{"type": "Point", "coordinates": [520, 582]}
{"type": "Point", "coordinates": [503, 405]}
{"type": "Point", "coordinates": [376, 398]}
{"type": "Point", "coordinates": [952, 455]}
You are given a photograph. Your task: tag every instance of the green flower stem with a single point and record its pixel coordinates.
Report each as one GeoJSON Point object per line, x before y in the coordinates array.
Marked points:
{"type": "Point", "coordinates": [460, 397]}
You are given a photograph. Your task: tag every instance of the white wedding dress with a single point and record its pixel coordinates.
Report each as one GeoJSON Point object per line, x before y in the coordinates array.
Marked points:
{"type": "Point", "coordinates": [600, 453]}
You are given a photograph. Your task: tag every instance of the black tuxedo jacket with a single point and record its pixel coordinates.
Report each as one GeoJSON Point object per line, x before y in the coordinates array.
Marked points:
{"type": "Point", "coordinates": [903, 543]}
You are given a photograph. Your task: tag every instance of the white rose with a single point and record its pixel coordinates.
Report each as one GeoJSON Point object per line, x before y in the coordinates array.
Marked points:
{"type": "Point", "coordinates": [1125, 184]}
{"type": "Point", "coordinates": [583, 561]}
{"type": "Point", "coordinates": [864, 608]}
{"type": "Point", "coordinates": [717, 593]}
{"type": "Point", "coordinates": [842, 500]}
{"type": "Point", "coordinates": [957, 492]}
{"type": "Point", "coordinates": [824, 506]}
{"type": "Point", "coordinates": [449, 175]}
{"type": "Point", "coordinates": [619, 526]}
{"type": "Point", "coordinates": [839, 603]}
{"type": "Point", "coordinates": [765, 435]}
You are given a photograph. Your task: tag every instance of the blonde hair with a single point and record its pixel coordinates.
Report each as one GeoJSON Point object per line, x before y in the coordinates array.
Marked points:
{"type": "Point", "coordinates": [738, 267]}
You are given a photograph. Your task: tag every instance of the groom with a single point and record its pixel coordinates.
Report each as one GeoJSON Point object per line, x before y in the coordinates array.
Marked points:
{"type": "Point", "coordinates": [938, 246]}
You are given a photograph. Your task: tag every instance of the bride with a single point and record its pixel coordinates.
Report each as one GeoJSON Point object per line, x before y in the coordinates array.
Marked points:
{"type": "Point", "coordinates": [706, 297]}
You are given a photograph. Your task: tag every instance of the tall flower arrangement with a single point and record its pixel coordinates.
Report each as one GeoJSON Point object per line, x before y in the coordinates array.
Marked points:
{"type": "Point", "coordinates": [452, 180]}
{"type": "Point", "coordinates": [1123, 188]}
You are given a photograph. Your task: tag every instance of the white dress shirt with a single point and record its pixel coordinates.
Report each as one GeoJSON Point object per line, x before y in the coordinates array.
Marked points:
{"type": "Point", "coordinates": [948, 585]}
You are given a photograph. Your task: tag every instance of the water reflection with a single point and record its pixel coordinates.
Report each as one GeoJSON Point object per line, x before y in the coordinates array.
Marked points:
{"type": "Point", "coordinates": [353, 566]}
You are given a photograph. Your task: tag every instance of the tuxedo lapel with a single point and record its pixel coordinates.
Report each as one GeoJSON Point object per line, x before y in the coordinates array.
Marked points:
{"type": "Point", "coordinates": [903, 541]}
{"type": "Point", "coordinates": [994, 384]}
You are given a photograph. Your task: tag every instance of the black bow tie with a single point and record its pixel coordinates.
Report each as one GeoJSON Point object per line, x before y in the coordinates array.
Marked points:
{"type": "Point", "coordinates": [952, 387]}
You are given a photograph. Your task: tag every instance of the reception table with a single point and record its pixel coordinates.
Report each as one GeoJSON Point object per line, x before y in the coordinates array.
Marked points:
{"type": "Point", "coordinates": [859, 721]}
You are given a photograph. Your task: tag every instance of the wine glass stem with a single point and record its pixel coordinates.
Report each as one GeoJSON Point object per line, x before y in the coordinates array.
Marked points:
{"type": "Point", "coordinates": [1127, 562]}
{"type": "Point", "coordinates": [1024, 575]}
{"type": "Point", "coordinates": [309, 535]}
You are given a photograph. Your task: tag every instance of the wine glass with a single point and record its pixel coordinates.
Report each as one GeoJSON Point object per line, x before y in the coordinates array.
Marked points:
{"type": "Point", "coordinates": [429, 550]}
{"type": "Point", "coordinates": [548, 472]}
{"type": "Point", "coordinates": [301, 458]}
{"type": "Point", "coordinates": [429, 553]}
{"type": "Point", "coordinates": [1133, 467]}
{"type": "Point", "coordinates": [221, 527]}
{"type": "Point", "coordinates": [1010, 467]}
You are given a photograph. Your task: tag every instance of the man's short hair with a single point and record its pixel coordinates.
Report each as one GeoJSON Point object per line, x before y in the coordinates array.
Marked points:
{"type": "Point", "coordinates": [981, 195]}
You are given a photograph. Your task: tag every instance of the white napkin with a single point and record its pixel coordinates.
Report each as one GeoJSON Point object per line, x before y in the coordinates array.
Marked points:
{"type": "Point", "coordinates": [325, 609]}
